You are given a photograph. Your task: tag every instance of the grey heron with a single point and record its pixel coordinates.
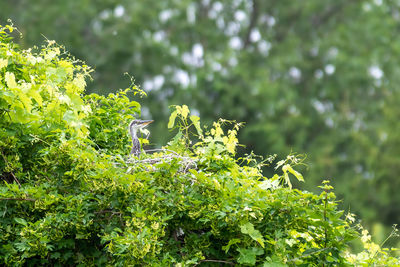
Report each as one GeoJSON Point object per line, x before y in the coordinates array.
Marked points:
{"type": "Point", "coordinates": [134, 126]}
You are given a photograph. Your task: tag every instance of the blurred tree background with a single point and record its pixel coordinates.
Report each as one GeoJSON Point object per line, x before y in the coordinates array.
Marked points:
{"type": "Point", "coordinates": [314, 77]}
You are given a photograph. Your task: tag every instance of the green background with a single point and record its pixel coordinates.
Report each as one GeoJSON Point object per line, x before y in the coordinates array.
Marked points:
{"type": "Point", "coordinates": [313, 77]}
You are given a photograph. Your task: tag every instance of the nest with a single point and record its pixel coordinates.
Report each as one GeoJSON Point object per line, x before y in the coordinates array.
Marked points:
{"type": "Point", "coordinates": [167, 156]}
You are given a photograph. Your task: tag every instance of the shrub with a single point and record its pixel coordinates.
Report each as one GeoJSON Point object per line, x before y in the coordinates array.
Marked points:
{"type": "Point", "coordinates": [70, 195]}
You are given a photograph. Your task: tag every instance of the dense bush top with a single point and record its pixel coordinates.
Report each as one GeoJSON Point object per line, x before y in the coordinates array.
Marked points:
{"type": "Point", "coordinates": [70, 195]}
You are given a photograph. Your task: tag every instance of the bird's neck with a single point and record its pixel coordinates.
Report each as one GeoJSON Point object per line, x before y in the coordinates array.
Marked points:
{"type": "Point", "coordinates": [136, 149]}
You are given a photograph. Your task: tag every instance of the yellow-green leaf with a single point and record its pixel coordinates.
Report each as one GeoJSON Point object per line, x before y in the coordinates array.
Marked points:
{"type": "Point", "coordinates": [286, 175]}
{"type": "Point", "coordinates": [172, 118]}
{"type": "Point", "coordinates": [10, 80]}
{"type": "Point", "coordinates": [3, 63]}
{"type": "Point", "coordinates": [35, 95]}
{"type": "Point", "coordinates": [185, 111]}
{"type": "Point", "coordinates": [196, 122]}
{"type": "Point", "coordinates": [295, 173]}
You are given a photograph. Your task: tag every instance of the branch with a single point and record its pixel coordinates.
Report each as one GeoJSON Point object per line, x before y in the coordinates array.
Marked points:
{"type": "Point", "coordinates": [309, 254]}
{"type": "Point", "coordinates": [219, 261]}
{"type": "Point", "coordinates": [324, 17]}
{"type": "Point", "coordinates": [12, 174]}
{"type": "Point", "coordinates": [253, 22]}
{"type": "Point", "coordinates": [19, 199]}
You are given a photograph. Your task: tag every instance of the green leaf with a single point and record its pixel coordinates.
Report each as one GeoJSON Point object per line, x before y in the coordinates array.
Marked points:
{"type": "Point", "coordinates": [172, 119]}
{"type": "Point", "coordinates": [196, 122]}
{"type": "Point", "coordinates": [248, 228]}
{"type": "Point", "coordinates": [249, 255]}
{"type": "Point", "coordinates": [295, 173]}
{"type": "Point", "coordinates": [185, 111]}
{"type": "Point", "coordinates": [10, 80]}
{"type": "Point", "coordinates": [286, 175]}
{"type": "Point", "coordinates": [21, 221]}
{"type": "Point", "coordinates": [231, 242]}
{"type": "Point", "coordinates": [35, 95]}
{"type": "Point", "coordinates": [3, 63]}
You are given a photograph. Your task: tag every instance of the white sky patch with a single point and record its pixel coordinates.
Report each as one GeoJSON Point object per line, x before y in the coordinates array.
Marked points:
{"type": "Point", "coordinates": [174, 50]}
{"type": "Point", "coordinates": [187, 58]}
{"type": "Point", "coordinates": [165, 15]}
{"type": "Point", "coordinates": [375, 72]}
{"type": "Point", "coordinates": [215, 10]}
{"type": "Point", "coordinates": [195, 112]}
{"type": "Point", "coordinates": [293, 110]}
{"type": "Point", "coordinates": [314, 51]}
{"type": "Point", "coordinates": [295, 73]}
{"type": "Point", "coordinates": [154, 84]}
{"type": "Point", "coordinates": [97, 26]}
{"type": "Point", "coordinates": [321, 107]}
{"type": "Point", "coordinates": [255, 35]}
{"type": "Point", "coordinates": [330, 69]}
{"type": "Point", "coordinates": [240, 15]}
{"type": "Point", "coordinates": [216, 66]}
{"type": "Point", "coordinates": [235, 42]}
{"type": "Point", "coordinates": [218, 6]}
{"type": "Point", "coordinates": [367, 7]}
{"type": "Point", "coordinates": [148, 85]}
{"type": "Point", "coordinates": [232, 61]}
{"type": "Point", "coordinates": [233, 28]}
{"type": "Point", "coordinates": [197, 50]}
{"type": "Point", "coordinates": [145, 112]}
{"type": "Point", "coordinates": [264, 47]}
{"type": "Point", "coordinates": [318, 105]}
{"type": "Point", "coordinates": [105, 14]}
{"type": "Point", "coordinates": [191, 13]}
{"type": "Point", "coordinates": [119, 11]}
{"type": "Point", "coordinates": [182, 77]}
{"type": "Point", "coordinates": [158, 82]}
{"type": "Point", "coordinates": [378, 2]}
{"type": "Point", "coordinates": [220, 23]}
{"type": "Point", "coordinates": [195, 57]}
{"type": "Point", "coordinates": [271, 21]}
{"type": "Point", "coordinates": [159, 36]}
{"type": "Point", "coordinates": [193, 80]}
{"type": "Point", "coordinates": [236, 3]}
{"type": "Point", "coordinates": [333, 52]}
{"type": "Point", "coordinates": [357, 124]}
{"type": "Point", "coordinates": [329, 122]}
{"type": "Point", "coordinates": [319, 74]}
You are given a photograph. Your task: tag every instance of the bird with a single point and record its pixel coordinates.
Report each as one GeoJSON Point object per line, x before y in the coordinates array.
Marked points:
{"type": "Point", "coordinates": [134, 126]}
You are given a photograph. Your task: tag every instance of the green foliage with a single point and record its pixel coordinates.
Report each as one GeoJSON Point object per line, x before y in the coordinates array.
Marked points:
{"type": "Point", "coordinates": [69, 195]}
{"type": "Point", "coordinates": [317, 77]}
{"type": "Point", "coordinates": [109, 119]}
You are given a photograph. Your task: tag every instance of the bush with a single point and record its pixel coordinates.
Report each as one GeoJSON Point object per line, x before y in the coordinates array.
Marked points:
{"type": "Point", "coordinates": [70, 195]}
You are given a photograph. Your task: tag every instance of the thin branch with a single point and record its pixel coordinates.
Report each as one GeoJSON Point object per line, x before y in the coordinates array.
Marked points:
{"type": "Point", "coordinates": [19, 199]}
{"type": "Point", "coordinates": [186, 162]}
{"type": "Point", "coordinates": [308, 254]}
{"type": "Point", "coordinates": [253, 22]}
{"type": "Point", "coordinates": [12, 174]}
{"type": "Point", "coordinates": [218, 261]}
{"type": "Point", "coordinates": [322, 18]}
{"type": "Point", "coordinates": [161, 149]}
{"type": "Point", "coordinates": [108, 211]}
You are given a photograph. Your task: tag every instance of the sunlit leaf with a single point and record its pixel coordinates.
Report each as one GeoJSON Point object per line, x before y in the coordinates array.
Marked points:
{"type": "Point", "coordinates": [172, 118]}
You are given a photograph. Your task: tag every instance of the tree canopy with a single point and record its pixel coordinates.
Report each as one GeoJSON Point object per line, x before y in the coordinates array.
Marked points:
{"type": "Point", "coordinates": [69, 194]}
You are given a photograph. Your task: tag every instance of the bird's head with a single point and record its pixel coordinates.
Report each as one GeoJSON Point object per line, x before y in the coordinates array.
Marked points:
{"type": "Point", "coordinates": [139, 124]}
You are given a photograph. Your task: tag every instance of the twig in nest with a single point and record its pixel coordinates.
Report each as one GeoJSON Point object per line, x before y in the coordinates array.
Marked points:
{"type": "Point", "coordinates": [186, 162]}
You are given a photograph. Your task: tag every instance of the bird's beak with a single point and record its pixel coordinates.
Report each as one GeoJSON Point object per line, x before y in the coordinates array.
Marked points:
{"type": "Point", "coordinates": [146, 122]}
